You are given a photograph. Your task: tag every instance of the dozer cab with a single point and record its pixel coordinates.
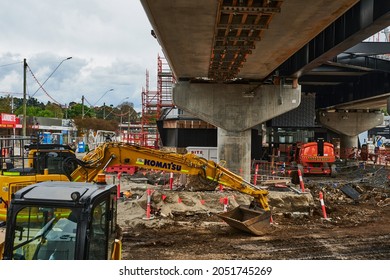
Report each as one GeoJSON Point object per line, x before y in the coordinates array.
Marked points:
{"type": "Point", "coordinates": [63, 221]}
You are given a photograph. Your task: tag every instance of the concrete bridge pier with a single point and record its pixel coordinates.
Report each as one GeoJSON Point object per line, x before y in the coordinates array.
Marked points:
{"type": "Point", "coordinates": [349, 124]}
{"type": "Point", "coordinates": [234, 147]}
{"type": "Point", "coordinates": [235, 109]}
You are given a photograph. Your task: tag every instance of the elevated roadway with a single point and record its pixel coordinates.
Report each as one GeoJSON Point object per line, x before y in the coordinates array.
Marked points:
{"type": "Point", "coordinates": [222, 40]}
{"type": "Point", "coordinates": [240, 63]}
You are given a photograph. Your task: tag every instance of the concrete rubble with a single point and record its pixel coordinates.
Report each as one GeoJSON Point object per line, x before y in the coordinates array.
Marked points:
{"type": "Point", "coordinates": [192, 197]}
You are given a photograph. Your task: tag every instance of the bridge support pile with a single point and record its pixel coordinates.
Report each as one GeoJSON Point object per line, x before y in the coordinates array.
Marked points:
{"type": "Point", "coordinates": [349, 125]}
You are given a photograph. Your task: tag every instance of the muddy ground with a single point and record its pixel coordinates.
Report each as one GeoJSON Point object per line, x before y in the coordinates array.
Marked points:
{"type": "Point", "coordinates": [183, 222]}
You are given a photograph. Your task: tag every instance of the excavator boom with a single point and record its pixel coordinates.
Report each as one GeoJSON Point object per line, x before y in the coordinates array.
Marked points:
{"type": "Point", "coordinates": [113, 153]}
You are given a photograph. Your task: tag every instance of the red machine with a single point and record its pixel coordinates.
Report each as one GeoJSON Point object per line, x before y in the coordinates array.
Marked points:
{"type": "Point", "coordinates": [315, 158]}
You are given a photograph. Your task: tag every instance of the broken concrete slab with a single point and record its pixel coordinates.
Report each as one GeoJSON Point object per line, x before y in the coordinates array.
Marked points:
{"type": "Point", "coordinates": [350, 191]}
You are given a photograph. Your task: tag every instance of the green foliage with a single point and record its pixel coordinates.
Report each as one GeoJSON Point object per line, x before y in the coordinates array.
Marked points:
{"type": "Point", "coordinates": [103, 118]}
{"type": "Point", "coordinates": [6, 104]}
{"type": "Point", "coordinates": [75, 110]}
{"type": "Point", "coordinates": [95, 124]}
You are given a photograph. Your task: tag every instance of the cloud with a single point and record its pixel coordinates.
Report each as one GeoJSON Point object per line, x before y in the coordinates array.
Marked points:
{"type": "Point", "coordinates": [109, 41]}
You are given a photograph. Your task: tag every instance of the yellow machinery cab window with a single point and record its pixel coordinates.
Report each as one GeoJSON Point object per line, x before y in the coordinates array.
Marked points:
{"type": "Point", "coordinates": [45, 234]}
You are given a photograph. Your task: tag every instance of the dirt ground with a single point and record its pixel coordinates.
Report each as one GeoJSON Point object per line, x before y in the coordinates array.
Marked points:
{"type": "Point", "coordinates": [183, 222]}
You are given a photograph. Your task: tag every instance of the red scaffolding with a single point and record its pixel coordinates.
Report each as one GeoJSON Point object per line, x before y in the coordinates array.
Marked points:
{"type": "Point", "coordinates": [154, 102]}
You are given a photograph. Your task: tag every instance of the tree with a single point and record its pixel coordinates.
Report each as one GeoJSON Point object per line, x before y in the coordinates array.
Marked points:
{"type": "Point", "coordinates": [33, 108]}
{"type": "Point", "coordinates": [98, 118]}
{"type": "Point", "coordinates": [55, 110]}
{"type": "Point", "coordinates": [6, 104]}
{"type": "Point", "coordinates": [75, 110]}
{"type": "Point", "coordinates": [95, 124]}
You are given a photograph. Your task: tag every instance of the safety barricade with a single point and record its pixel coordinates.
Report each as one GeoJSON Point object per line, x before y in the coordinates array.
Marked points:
{"type": "Point", "coordinates": [263, 171]}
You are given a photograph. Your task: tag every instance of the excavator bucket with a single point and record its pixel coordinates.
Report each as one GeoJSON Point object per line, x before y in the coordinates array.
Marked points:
{"type": "Point", "coordinates": [243, 218]}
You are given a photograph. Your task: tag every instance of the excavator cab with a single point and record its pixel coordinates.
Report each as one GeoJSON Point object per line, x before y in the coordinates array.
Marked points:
{"type": "Point", "coordinates": [63, 221]}
{"type": "Point", "coordinates": [48, 156]}
{"type": "Point", "coordinates": [30, 163]}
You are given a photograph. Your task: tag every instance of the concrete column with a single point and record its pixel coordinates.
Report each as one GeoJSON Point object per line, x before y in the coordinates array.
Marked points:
{"type": "Point", "coordinates": [235, 149]}
{"type": "Point", "coordinates": [349, 125]}
{"type": "Point", "coordinates": [347, 143]}
{"type": "Point", "coordinates": [388, 104]}
{"type": "Point", "coordinates": [235, 108]}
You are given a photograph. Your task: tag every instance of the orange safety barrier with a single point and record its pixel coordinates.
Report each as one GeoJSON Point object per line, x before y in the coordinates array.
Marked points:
{"type": "Point", "coordinates": [323, 205]}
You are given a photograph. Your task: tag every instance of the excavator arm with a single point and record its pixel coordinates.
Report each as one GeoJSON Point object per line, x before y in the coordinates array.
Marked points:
{"type": "Point", "coordinates": [113, 153]}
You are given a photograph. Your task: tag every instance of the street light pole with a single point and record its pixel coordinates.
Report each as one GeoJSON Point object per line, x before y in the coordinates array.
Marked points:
{"type": "Point", "coordinates": [24, 97]}
{"type": "Point", "coordinates": [128, 124]}
{"type": "Point", "coordinates": [51, 74]}
{"type": "Point", "coordinates": [103, 95]}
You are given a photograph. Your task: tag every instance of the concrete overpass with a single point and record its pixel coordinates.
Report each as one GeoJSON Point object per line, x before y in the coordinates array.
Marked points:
{"type": "Point", "coordinates": [240, 63]}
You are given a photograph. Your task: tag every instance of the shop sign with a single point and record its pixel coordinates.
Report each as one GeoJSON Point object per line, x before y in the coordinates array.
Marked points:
{"type": "Point", "coordinates": [7, 119]}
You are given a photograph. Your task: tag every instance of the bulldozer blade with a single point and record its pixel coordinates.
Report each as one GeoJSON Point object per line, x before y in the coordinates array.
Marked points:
{"type": "Point", "coordinates": [243, 218]}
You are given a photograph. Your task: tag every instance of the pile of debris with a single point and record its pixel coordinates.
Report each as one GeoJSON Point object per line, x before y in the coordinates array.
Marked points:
{"type": "Point", "coordinates": [363, 185]}
{"type": "Point", "coordinates": [170, 201]}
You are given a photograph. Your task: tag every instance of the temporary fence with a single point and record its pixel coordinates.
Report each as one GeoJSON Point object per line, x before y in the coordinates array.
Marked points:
{"type": "Point", "coordinates": [266, 171]}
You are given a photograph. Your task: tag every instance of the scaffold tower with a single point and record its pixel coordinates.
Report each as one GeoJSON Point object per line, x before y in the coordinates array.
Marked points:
{"type": "Point", "coordinates": [165, 82]}
{"type": "Point", "coordinates": [154, 103]}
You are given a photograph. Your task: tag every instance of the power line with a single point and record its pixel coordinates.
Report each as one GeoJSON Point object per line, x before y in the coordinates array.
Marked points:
{"type": "Point", "coordinates": [40, 86]}
{"type": "Point", "coordinates": [97, 101]}
{"type": "Point", "coordinates": [10, 93]}
{"type": "Point", "coordinates": [9, 64]}
{"type": "Point", "coordinates": [85, 99]}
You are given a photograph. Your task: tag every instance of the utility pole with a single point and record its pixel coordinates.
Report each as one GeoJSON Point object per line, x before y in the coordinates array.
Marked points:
{"type": "Point", "coordinates": [104, 110]}
{"type": "Point", "coordinates": [82, 107]}
{"type": "Point", "coordinates": [24, 97]}
{"type": "Point", "coordinates": [128, 128]}
{"type": "Point", "coordinates": [120, 127]}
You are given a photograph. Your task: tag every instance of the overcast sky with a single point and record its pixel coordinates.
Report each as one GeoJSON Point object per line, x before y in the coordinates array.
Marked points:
{"type": "Point", "coordinates": [109, 42]}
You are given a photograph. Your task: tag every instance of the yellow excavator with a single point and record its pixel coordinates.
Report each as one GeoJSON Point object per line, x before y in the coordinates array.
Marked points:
{"type": "Point", "coordinates": [253, 218]}
{"type": "Point", "coordinates": [33, 163]}
{"type": "Point", "coordinates": [114, 153]}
